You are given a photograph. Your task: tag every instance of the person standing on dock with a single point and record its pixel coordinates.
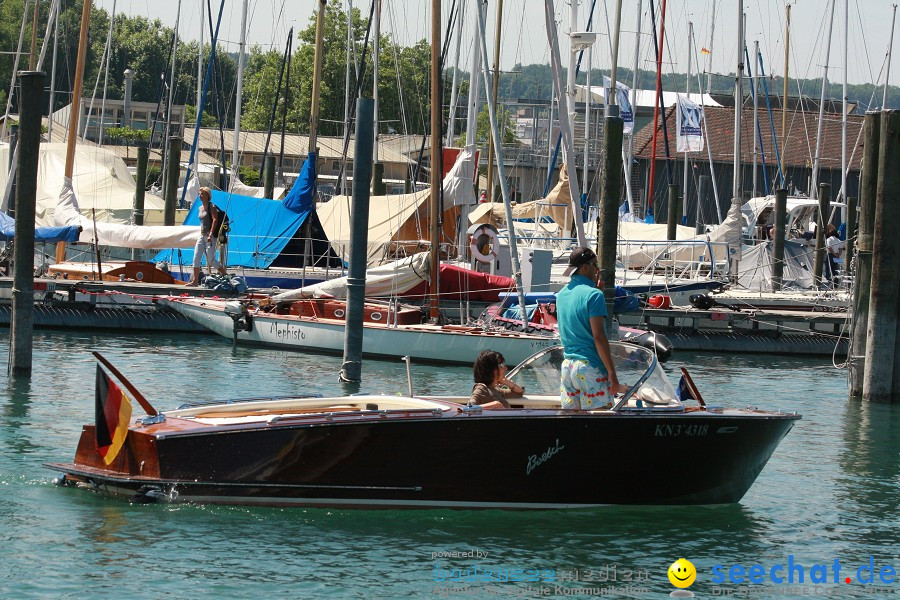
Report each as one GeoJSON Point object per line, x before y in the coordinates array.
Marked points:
{"type": "Point", "coordinates": [588, 379]}
{"type": "Point", "coordinates": [835, 248]}
{"type": "Point", "coordinates": [206, 244]}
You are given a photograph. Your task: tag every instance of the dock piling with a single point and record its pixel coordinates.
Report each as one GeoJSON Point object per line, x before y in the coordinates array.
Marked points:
{"type": "Point", "coordinates": [821, 224]}
{"type": "Point", "coordinates": [608, 217]}
{"type": "Point", "coordinates": [778, 246]}
{"type": "Point", "coordinates": [21, 333]}
{"type": "Point", "coordinates": [269, 177]}
{"type": "Point", "coordinates": [881, 332]}
{"type": "Point", "coordinates": [673, 213]}
{"type": "Point", "coordinates": [140, 184]}
{"type": "Point", "coordinates": [351, 368]}
{"type": "Point", "coordinates": [173, 168]}
{"type": "Point", "coordinates": [862, 280]}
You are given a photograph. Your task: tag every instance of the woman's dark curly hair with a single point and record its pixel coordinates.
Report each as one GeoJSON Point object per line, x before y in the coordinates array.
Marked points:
{"type": "Point", "coordinates": [485, 365]}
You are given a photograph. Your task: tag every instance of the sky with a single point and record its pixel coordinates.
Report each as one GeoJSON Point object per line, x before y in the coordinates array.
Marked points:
{"type": "Point", "coordinates": [524, 38]}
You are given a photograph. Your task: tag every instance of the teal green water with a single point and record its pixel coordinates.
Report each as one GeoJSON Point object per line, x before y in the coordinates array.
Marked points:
{"type": "Point", "coordinates": [831, 491]}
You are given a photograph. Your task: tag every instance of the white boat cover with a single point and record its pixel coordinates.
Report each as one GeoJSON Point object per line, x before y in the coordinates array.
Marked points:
{"type": "Point", "coordinates": [459, 188]}
{"type": "Point", "coordinates": [756, 266]}
{"type": "Point", "coordinates": [636, 254]}
{"type": "Point", "coordinates": [387, 280]}
{"type": "Point", "coordinates": [241, 189]}
{"type": "Point", "coordinates": [387, 216]}
{"type": "Point", "coordinates": [116, 234]}
{"type": "Point", "coordinates": [101, 181]}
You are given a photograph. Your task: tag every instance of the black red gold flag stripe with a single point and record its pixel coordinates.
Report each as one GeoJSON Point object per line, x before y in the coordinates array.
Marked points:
{"type": "Point", "coordinates": [112, 413]}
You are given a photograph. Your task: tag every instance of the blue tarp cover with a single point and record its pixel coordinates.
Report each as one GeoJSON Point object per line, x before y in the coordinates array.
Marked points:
{"type": "Point", "coordinates": [41, 234]}
{"type": "Point", "coordinates": [260, 229]}
{"type": "Point", "coordinates": [300, 198]}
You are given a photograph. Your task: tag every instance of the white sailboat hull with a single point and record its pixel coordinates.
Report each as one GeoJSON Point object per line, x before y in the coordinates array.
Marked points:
{"type": "Point", "coordinates": [432, 343]}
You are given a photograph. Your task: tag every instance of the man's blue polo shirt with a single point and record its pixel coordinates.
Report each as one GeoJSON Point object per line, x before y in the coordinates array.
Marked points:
{"type": "Point", "coordinates": [575, 305]}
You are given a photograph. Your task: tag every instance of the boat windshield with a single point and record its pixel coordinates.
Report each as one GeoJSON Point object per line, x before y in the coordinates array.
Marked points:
{"type": "Point", "coordinates": [636, 367]}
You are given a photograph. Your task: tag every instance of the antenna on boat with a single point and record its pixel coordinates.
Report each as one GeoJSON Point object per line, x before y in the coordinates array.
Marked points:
{"type": "Point", "coordinates": [145, 404]}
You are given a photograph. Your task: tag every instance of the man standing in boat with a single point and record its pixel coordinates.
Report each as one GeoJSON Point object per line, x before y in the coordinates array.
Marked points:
{"type": "Point", "coordinates": [589, 378]}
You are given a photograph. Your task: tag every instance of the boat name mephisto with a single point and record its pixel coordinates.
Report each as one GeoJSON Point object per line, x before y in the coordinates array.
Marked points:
{"type": "Point", "coordinates": [534, 461]}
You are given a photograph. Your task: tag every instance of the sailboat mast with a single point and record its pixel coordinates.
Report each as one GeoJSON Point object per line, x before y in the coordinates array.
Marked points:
{"type": "Point", "coordinates": [614, 59]}
{"type": "Point", "coordinates": [434, 298]}
{"type": "Point", "coordinates": [687, 90]}
{"type": "Point", "coordinates": [346, 85]}
{"type": "Point", "coordinates": [317, 78]}
{"type": "Point", "coordinates": [843, 194]}
{"type": "Point", "coordinates": [570, 71]}
{"type": "Point", "coordinates": [76, 106]}
{"type": "Point", "coordinates": [887, 75]}
{"type": "Point", "coordinates": [814, 185]}
{"type": "Point", "coordinates": [376, 51]}
{"type": "Point", "coordinates": [474, 84]}
{"type": "Point", "coordinates": [239, 96]}
{"type": "Point", "coordinates": [495, 90]}
{"type": "Point", "coordinates": [34, 28]}
{"type": "Point", "coordinates": [171, 80]}
{"type": "Point", "coordinates": [634, 84]}
{"type": "Point", "coordinates": [712, 33]}
{"type": "Point", "coordinates": [199, 117]}
{"type": "Point", "coordinates": [659, 57]}
{"type": "Point", "coordinates": [787, 48]}
{"type": "Point", "coordinates": [738, 105]}
{"type": "Point", "coordinates": [754, 79]}
{"type": "Point", "coordinates": [454, 87]}
{"type": "Point", "coordinates": [53, 71]}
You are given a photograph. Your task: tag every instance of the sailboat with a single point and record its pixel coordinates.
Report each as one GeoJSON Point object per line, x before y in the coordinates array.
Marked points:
{"type": "Point", "coordinates": [389, 329]}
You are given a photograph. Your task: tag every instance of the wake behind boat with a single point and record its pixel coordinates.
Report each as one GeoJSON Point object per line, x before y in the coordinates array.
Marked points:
{"type": "Point", "coordinates": [388, 331]}
{"type": "Point", "coordinates": [371, 451]}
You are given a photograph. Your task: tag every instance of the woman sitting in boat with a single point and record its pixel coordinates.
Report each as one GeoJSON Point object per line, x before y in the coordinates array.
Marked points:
{"type": "Point", "coordinates": [492, 388]}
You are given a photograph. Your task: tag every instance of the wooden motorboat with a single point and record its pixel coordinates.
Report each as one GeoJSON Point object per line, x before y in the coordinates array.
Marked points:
{"type": "Point", "coordinates": [378, 451]}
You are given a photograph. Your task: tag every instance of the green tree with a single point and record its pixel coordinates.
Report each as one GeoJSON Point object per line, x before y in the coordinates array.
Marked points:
{"type": "Point", "coordinates": [483, 130]}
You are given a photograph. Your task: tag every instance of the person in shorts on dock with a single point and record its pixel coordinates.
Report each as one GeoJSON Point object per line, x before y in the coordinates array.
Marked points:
{"type": "Point", "coordinates": [588, 378]}
{"type": "Point", "coordinates": [492, 388]}
{"type": "Point", "coordinates": [835, 248]}
{"type": "Point", "coordinates": [206, 244]}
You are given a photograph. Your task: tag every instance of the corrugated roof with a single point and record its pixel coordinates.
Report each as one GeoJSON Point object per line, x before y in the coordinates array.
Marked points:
{"type": "Point", "coordinates": [801, 137]}
{"type": "Point", "coordinates": [253, 142]}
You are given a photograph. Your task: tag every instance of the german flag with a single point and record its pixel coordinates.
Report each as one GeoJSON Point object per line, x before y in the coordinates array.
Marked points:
{"type": "Point", "coordinates": [112, 413]}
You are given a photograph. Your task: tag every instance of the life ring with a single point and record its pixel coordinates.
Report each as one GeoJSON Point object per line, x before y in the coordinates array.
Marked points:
{"type": "Point", "coordinates": [484, 242]}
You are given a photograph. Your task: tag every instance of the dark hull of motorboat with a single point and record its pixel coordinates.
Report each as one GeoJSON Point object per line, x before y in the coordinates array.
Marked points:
{"type": "Point", "coordinates": [515, 460]}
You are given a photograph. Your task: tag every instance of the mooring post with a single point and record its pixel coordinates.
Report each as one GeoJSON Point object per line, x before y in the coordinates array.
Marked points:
{"type": "Point", "coordinates": [172, 170]}
{"type": "Point", "coordinates": [21, 332]}
{"type": "Point", "coordinates": [378, 188]}
{"type": "Point", "coordinates": [269, 179]}
{"type": "Point", "coordinates": [351, 369]}
{"type": "Point", "coordinates": [608, 217]}
{"type": "Point", "coordinates": [13, 142]}
{"type": "Point", "coordinates": [778, 246]}
{"type": "Point", "coordinates": [862, 281]}
{"type": "Point", "coordinates": [881, 332]}
{"type": "Point", "coordinates": [702, 196]}
{"type": "Point", "coordinates": [140, 184]}
{"type": "Point", "coordinates": [821, 224]}
{"type": "Point", "coordinates": [673, 213]}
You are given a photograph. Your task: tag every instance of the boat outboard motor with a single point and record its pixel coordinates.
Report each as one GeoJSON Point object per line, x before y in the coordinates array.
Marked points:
{"type": "Point", "coordinates": [706, 302]}
{"type": "Point", "coordinates": [656, 342]}
{"type": "Point", "coordinates": [702, 301]}
{"type": "Point", "coordinates": [241, 318]}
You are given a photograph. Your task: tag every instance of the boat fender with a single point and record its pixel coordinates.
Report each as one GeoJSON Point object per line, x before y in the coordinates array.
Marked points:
{"type": "Point", "coordinates": [148, 495]}
{"type": "Point", "coordinates": [484, 242]}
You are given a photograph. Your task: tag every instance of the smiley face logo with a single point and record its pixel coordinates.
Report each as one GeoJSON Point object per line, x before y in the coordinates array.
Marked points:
{"type": "Point", "coordinates": [682, 573]}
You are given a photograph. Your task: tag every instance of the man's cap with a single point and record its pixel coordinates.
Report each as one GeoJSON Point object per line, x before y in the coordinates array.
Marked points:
{"type": "Point", "coordinates": [579, 256]}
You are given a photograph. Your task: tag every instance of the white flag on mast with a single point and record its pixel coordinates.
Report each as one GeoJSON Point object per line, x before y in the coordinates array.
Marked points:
{"type": "Point", "coordinates": [689, 121]}
{"type": "Point", "coordinates": [623, 100]}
